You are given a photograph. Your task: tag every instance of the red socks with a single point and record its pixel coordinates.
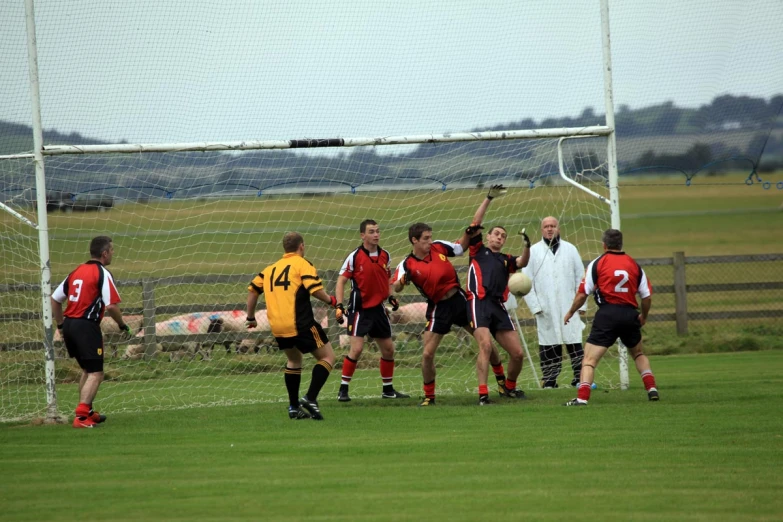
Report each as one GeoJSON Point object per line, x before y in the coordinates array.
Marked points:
{"type": "Point", "coordinates": [583, 392]}
{"type": "Point", "coordinates": [82, 410]}
{"type": "Point", "coordinates": [349, 367]}
{"type": "Point", "coordinates": [429, 390]}
{"type": "Point", "coordinates": [387, 371]}
{"type": "Point", "coordinates": [648, 380]}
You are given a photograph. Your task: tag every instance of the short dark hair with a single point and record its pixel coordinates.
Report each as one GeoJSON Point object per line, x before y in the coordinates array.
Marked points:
{"type": "Point", "coordinates": [291, 242]}
{"type": "Point", "coordinates": [497, 226]}
{"type": "Point", "coordinates": [417, 229]}
{"type": "Point", "coordinates": [613, 239]}
{"type": "Point", "coordinates": [363, 225]}
{"type": "Point", "coordinates": [99, 245]}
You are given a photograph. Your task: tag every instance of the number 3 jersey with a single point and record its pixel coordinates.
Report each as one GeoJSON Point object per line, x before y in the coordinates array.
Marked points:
{"type": "Point", "coordinates": [89, 290]}
{"type": "Point", "coordinates": [615, 278]}
{"type": "Point", "coordinates": [287, 286]}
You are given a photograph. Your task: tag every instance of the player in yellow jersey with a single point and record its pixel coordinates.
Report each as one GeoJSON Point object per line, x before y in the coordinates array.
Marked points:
{"type": "Point", "coordinates": [287, 286]}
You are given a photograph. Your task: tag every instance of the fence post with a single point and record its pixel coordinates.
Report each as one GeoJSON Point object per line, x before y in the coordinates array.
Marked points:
{"type": "Point", "coordinates": [148, 319]}
{"type": "Point", "coordinates": [680, 294]}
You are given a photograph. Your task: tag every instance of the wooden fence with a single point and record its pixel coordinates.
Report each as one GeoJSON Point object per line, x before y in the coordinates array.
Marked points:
{"type": "Point", "coordinates": [679, 287]}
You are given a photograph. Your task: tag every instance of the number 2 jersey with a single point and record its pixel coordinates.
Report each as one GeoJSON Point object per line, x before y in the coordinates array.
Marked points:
{"type": "Point", "coordinates": [615, 278]}
{"type": "Point", "coordinates": [89, 290]}
{"type": "Point", "coordinates": [287, 286]}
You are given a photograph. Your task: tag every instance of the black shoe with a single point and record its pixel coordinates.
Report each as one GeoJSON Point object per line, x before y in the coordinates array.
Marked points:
{"type": "Point", "coordinates": [342, 395]}
{"type": "Point", "coordinates": [513, 394]}
{"type": "Point", "coordinates": [428, 402]}
{"type": "Point", "coordinates": [484, 400]}
{"type": "Point", "coordinates": [394, 394]}
{"type": "Point", "coordinates": [96, 417]}
{"type": "Point", "coordinates": [575, 402]}
{"type": "Point", "coordinates": [312, 408]}
{"type": "Point", "coordinates": [297, 413]}
{"type": "Point", "coordinates": [575, 383]}
{"type": "Point", "coordinates": [653, 395]}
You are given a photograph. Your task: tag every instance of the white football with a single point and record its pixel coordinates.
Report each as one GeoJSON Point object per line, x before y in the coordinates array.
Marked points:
{"type": "Point", "coordinates": [519, 283]}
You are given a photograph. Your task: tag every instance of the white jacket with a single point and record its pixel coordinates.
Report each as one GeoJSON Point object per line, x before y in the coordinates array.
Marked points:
{"type": "Point", "coordinates": [556, 278]}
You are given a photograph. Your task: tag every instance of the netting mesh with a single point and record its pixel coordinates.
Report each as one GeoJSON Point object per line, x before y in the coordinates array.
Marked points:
{"type": "Point", "coordinates": [187, 245]}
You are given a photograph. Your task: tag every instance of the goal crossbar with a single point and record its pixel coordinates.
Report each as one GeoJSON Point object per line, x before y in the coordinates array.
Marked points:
{"type": "Point", "coordinates": [593, 130]}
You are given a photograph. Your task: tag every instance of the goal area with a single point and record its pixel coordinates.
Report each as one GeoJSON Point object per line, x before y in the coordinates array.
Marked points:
{"type": "Point", "coordinates": [125, 107]}
{"type": "Point", "coordinates": [191, 229]}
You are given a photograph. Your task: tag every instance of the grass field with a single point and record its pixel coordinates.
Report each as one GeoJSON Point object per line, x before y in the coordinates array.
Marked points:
{"type": "Point", "coordinates": [710, 450]}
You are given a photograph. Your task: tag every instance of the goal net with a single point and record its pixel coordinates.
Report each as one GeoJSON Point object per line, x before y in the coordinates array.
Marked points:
{"type": "Point", "coordinates": [190, 230]}
{"type": "Point", "coordinates": [193, 223]}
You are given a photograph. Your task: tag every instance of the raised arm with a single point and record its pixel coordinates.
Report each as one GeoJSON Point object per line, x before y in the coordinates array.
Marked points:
{"type": "Point", "coordinates": [478, 218]}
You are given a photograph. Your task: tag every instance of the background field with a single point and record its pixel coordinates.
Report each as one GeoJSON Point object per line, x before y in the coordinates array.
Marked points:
{"type": "Point", "coordinates": [710, 450]}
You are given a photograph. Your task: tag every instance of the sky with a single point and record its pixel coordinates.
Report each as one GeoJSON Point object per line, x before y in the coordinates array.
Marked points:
{"type": "Point", "coordinates": [162, 71]}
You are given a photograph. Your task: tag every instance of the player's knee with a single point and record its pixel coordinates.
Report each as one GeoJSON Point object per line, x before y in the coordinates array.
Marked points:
{"type": "Point", "coordinates": [516, 355]}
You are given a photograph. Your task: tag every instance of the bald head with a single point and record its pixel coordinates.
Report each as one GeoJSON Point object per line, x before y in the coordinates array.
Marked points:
{"type": "Point", "coordinates": [550, 227]}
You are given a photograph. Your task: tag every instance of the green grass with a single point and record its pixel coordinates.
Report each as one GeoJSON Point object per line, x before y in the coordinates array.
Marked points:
{"type": "Point", "coordinates": [711, 450]}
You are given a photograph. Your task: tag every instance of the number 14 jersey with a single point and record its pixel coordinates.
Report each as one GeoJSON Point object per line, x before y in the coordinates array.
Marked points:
{"type": "Point", "coordinates": [287, 286]}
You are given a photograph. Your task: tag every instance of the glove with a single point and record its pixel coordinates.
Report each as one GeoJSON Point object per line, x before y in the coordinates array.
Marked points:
{"type": "Point", "coordinates": [251, 322]}
{"type": "Point", "coordinates": [472, 229]}
{"type": "Point", "coordinates": [60, 327]}
{"type": "Point", "coordinates": [495, 191]}
{"type": "Point", "coordinates": [525, 239]}
{"type": "Point", "coordinates": [126, 332]}
{"type": "Point", "coordinates": [395, 304]}
{"type": "Point", "coordinates": [339, 313]}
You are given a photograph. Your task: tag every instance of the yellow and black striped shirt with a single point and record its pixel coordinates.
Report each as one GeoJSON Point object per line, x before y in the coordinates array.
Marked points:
{"type": "Point", "coordinates": [287, 286]}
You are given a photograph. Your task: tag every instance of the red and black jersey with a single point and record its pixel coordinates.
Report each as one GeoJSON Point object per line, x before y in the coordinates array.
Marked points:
{"type": "Point", "coordinates": [369, 274]}
{"type": "Point", "coordinates": [89, 290]}
{"type": "Point", "coordinates": [488, 272]}
{"type": "Point", "coordinates": [615, 278]}
{"type": "Point", "coordinates": [434, 275]}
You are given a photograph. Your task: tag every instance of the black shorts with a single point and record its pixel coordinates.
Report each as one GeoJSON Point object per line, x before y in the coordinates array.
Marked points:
{"type": "Point", "coordinates": [305, 341]}
{"type": "Point", "coordinates": [452, 311]}
{"type": "Point", "coordinates": [84, 341]}
{"type": "Point", "coordinates": [613, 321]}
{"type": "Point", "coordinates": [489, 313]}
{"type": "Point", "coordinates": [369, 321]}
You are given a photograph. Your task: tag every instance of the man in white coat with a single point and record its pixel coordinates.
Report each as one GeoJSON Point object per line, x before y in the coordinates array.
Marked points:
{"type": "Point", "coordinates": [556, 269]}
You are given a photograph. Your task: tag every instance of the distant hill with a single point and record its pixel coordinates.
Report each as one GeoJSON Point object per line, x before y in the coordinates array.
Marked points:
{"type": "Point", "coordinates": [16, 138]}
{"type": "Point", "coordinates": [730, 129]}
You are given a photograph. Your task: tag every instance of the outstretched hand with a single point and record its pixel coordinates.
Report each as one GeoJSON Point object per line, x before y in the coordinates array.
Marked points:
{"type": "Point", "coordinates": [495, 191]}
{"type": "Point", "coordinates": [525, 238]}
{"type": "Point", "coordinates": [472, 229]}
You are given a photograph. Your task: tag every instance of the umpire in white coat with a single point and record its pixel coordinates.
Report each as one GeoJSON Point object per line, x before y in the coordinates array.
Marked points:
{"type": "Point", "coordinates": [556, 269]}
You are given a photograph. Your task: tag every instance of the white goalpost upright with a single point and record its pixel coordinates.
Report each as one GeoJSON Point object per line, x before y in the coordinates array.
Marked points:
{"type": "Point", "coordinates": [193, 219]}
{"type": "Point", "coordinates": [52, 415]}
